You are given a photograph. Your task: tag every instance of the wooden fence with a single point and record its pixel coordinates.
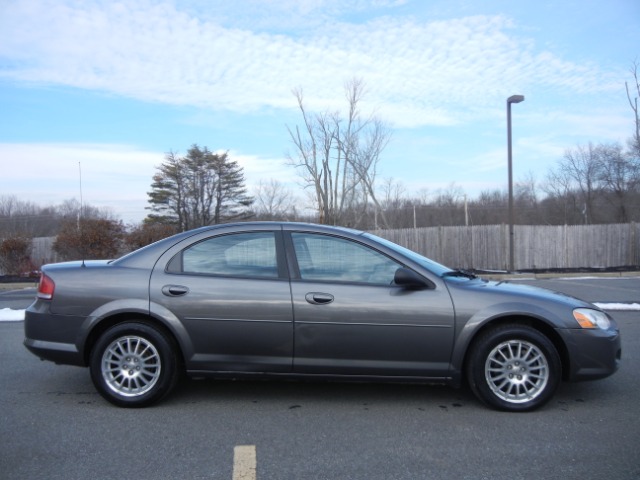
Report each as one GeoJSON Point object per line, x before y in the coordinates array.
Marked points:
{"type": "Point", "coordinates": [486, 247]}
{"type": "Point", "coordinates": [535, 247]}
{"type": "Point", "coordinates": [42, 251]}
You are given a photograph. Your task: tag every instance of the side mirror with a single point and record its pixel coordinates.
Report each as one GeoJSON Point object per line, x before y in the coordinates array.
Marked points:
{"type": "Point", "coordinates": [410, 279]}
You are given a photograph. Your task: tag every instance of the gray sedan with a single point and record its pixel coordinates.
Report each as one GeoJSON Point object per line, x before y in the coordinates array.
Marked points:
{"type": "Point", "coordinates": [305, 301]}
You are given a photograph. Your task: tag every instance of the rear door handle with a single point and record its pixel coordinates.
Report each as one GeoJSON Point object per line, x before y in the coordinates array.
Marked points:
{"type": "Point", "coordinates": [175, 290]}
{"type": "Point", "coordinates": [316, 298]}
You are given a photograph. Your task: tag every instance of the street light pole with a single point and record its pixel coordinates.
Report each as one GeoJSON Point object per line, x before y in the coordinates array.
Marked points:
{"type": "Point", "coordinates": [510, 100]}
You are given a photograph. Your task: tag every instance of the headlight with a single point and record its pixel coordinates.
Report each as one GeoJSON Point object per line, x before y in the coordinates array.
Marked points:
{"type": "Point", "coordinates": [588, 318]}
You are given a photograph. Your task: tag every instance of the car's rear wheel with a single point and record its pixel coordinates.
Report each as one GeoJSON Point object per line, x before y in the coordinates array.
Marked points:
{"type": "Point", "coordinates": [134, 364]}
{"type": "Point", "coordinates": [514, 368]}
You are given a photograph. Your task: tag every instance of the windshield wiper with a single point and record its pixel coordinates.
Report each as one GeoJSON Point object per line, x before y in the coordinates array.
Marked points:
{"type": "Point", "coordinates": [460, 273]}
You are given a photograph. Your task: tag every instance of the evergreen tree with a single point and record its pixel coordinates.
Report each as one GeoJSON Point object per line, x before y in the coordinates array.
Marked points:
{"type": "Point", "coordinates": [201, 188]}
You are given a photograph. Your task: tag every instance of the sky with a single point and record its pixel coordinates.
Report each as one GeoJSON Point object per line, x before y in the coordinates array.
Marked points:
{"type": "Point", "coordinates": [97, 92]}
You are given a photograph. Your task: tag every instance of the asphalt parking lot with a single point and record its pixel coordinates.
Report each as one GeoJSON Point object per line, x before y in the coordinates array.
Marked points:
{"type": "Point", "coordinates": [54, 425]}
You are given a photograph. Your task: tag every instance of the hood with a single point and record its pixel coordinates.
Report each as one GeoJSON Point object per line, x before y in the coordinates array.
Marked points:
{"type": "Point", "coordinates": [516, 292]}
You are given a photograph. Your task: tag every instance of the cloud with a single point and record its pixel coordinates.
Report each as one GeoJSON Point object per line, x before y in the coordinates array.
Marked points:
{"type": "Point", "coordinates": [112, 176]}
{"type": "Point", "coordinates": [418, 72]}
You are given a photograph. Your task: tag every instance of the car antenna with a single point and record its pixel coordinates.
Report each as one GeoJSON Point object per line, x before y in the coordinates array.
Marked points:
{"type": "Point", "coordinates": [80, 215]}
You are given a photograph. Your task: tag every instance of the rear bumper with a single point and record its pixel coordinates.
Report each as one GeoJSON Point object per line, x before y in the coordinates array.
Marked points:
{"type": "Point", "coordinates": [52, 337]}
{"type": "Point", "coordinates": [593, 353]}
{"type": "Point", "coordinates": [62, 353]}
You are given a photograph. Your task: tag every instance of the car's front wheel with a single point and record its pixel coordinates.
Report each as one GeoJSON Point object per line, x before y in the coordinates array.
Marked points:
{"type": "Point", "coordinates": [134, 364]}
{"type": "Point", "coordinates": [514, 368]}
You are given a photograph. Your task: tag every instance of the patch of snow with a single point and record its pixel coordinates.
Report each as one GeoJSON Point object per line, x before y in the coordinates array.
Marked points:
{"type": "Point", "coordinates": [633, 307]}
{"type": "Point", "coordinates": [605, 277]}
{"type": "Point", "coordinates": [584, 278]}
{"type": "Point", "coordinates": [10, 315]}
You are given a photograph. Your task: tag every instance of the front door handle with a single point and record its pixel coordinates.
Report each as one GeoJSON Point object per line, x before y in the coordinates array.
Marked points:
{"type": "Point", "coordinates": [315, 298]}
{"type": "Point", "coordinates": [175, 290]}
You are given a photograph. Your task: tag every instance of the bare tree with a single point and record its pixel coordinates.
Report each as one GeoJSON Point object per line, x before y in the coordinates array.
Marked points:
{"type": "Point", "coordinates": [632, 95]}
{"type": "Point", "coordinates": [72, 208]}
{"type": "Point", "coordinates": [319, 162]}
{"type": "Point", "coordinates": [24, 218]}
{"type": "Point", "coordinates": [620, 176]}
{"type": "Point", "coordinates": [582, 168]}
{"type": "Point", "coordinates": [393, 194]}
{"type": "Point", "coordinates": [526, 201]}
{"type": "Point", "coordinates": [362, 144]}
{"type": "Point", "coordinates": [558, 189]}
{"type": "Point", "coordinates": [273, 201]}
{"type": "Point", "coordinates": [338, 156]}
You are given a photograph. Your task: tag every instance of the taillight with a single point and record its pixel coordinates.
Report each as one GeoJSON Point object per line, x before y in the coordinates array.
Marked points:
{"type": "Point", "coordinates": [46, 287]}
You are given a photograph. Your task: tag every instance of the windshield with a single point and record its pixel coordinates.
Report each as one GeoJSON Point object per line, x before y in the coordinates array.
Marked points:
{"type": "Point", "coordinates": [425, 262]}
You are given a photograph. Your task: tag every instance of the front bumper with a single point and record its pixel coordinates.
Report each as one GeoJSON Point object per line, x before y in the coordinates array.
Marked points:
{"type": "Point", "coordinates": [592, 353]}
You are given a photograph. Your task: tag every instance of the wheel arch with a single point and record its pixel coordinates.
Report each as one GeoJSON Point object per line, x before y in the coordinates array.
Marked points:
{"type": "Point", "coordinates": [107, 322]}
{"type": "Point", "coordinates": [520, 319]}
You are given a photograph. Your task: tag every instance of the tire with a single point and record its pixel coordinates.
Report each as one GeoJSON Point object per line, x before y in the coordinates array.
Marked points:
{"type": "Point", "coordinates": [134, 364]}
{"type": "Point", "coordinates": [514, 368]}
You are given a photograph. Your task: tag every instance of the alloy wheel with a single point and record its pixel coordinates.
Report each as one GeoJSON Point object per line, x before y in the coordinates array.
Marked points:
{"type": "Point", "coordinates": [517, 371]}
{"type": "Point", "coordinates": [131, 366]}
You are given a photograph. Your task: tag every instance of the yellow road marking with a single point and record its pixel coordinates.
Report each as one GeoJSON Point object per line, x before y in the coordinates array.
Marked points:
{"type": "Point", "coordinates": [244, 462]}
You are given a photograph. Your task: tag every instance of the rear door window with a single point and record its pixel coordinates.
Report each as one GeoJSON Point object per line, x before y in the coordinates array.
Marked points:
{"type": "Point", "coordinates": [239, 255]}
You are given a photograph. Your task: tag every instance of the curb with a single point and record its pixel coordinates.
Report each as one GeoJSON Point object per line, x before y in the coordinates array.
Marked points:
{"type": "Point", "coordinates": [542, 276]}
{"type": "Point", "coordinates": [17, 286]}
